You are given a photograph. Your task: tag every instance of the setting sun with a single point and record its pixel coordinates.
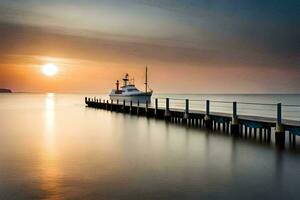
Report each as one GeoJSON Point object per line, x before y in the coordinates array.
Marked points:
{"type": "Point", "coordinates": [49, 69]}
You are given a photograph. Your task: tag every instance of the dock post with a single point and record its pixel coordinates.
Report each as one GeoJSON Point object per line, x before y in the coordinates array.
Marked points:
{"type": "Point", "coordinates": [138, 107]}
{"type": "Point", "coordinates": [146, 108]}
{"type": "Point", "coordinates": [130, 108]}
{"type": "Point", "coordinates": [235, 130]}
{"type": "Point", "coordinates": [186, 112]}
{"type": "Point", "coordinates": [117, 106]}
{"type": "Point", "coordinates": [167, 111]}
{"type": "Point", "coordinates": [269, 135]}
{"type": "Point", "coordinates": [99, 103]}
{"type": "Point", "coordinates": [156, 108]}
{"type": "Point", "coordinates": [85, 100]}
{"type": "Point", "coordinates": [207, 119]}
{"type": "Point", "coordinates": [111, 105]}
{"type": "Point", "coordinates": [123, 108]}
{"type": "Point", "coordinates": [246, 131]}
{"type": "Point", "coordinates": [106, 104]}
{"type": "Point", "coordinates": [260, 134]}
{"type": "Point", "coordinates": [294, 140]}
{"type": "Point", "coordinates": [279, 132]}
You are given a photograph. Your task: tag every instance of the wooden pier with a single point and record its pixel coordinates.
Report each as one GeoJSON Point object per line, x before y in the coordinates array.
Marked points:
{"type": "Point", "coordinates": [241, 126]}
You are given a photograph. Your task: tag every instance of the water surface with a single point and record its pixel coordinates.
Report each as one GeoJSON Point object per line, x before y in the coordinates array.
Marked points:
{"type": "Point", "coordinates": [53, 147]}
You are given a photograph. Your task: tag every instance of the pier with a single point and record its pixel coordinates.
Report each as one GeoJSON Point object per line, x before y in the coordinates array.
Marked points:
{"type": "Point", "coordinates": [199, 114]}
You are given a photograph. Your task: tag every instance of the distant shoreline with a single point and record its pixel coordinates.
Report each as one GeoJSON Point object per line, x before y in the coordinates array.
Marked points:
{"type": "Point", "coordinates": [3, 90]}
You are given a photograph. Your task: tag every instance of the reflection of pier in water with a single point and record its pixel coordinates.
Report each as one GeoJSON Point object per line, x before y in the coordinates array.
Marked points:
{"type": "Point", "coordinates": [260, 128]}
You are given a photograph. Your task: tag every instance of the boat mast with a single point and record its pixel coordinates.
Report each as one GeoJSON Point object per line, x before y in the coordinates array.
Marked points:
{"type": "Point", "coordinates": [146, 80]}
{"type": "Point", "coordinates": [125, 79]}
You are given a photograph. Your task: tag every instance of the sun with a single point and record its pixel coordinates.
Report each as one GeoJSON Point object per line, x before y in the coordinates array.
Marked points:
{"type": "Point", "coordinates": [49, 69]}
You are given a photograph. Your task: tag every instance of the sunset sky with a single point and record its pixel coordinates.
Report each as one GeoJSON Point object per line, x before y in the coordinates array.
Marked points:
{"type": "Point", "coordinates": [190, 46]}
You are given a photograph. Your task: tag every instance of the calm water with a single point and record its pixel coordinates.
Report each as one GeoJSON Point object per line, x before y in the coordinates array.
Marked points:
{"type": "Point", "coordinates": [53, 147]}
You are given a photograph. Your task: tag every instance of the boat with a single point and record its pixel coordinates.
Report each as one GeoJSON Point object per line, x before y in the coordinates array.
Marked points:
{"type": "Point", "coordinates": [129, 92]}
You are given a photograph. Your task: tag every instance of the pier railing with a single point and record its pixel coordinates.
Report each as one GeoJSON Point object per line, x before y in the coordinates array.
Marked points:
{"type": "Point", "coordinates": [269, 110]}
{"type": "Point", "coordinates": [289, 112]}
{"type": "Point", "coordinates": [238, 118]}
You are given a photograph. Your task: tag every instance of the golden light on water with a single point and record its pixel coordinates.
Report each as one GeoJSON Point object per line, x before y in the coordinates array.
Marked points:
{"type": "Point", "coordinates": [49, 119]}
{"type": "Point", "coordinates": [50, 162]}
{"type": "Point", "coordinates": [49, 69]}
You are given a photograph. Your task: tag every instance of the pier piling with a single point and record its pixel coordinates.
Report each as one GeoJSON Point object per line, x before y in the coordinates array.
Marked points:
{"type": "Point", "coordinates": [130, 109]}
{"type": "Point", "coordinates": [279, 132]}
{"type": "Point", "coordinates": [138, 108]}
{"type": "Point", "coordinates": [167, 111]}
{"type": "Point", "coordinates": [146, 108]}
{"type": "Point", "coordinates": [186, 112]}
{"type": "Point", "coordinates": [207, 118]}
{"type": "Point", "coordinates": [234, 121]}
{"type": "Point", "coordinates": [123, 108]}
{"type": "Point", "coordinates": [156, 108]}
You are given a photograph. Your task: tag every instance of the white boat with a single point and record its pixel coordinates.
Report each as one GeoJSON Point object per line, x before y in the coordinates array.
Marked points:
{"type": "Point", "coordinates": [129, 92]}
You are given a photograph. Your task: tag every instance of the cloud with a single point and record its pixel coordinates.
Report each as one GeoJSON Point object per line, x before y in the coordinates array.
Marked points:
{"type": "Point", "coordinates": [245, 32]}
{"type": "Point", "coordinates": [20, 39]}
{"type": "Point", "coordinates": [197, 38]}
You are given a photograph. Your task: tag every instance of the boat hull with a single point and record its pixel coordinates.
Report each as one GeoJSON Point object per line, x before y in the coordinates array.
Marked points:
{"type": "Point", "coordinates": [141, 98]}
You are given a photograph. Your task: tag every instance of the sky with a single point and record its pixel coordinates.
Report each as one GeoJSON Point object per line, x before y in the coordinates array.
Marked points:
{"type": "Point", "coordinates": [189, 46]}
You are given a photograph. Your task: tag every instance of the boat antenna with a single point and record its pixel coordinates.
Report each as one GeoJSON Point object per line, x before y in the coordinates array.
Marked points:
{"type": "Point", "coordinates": [146, 79]}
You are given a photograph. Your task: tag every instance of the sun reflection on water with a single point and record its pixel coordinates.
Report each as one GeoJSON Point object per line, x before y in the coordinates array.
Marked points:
{"type": "Point", "coordinates": [49, 120]}
{"type": "Point", "coordinates": [50, 172]}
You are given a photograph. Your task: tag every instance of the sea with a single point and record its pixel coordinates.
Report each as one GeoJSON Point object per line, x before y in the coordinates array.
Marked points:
{"type": "Point", "coordinates": [53, 147]}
